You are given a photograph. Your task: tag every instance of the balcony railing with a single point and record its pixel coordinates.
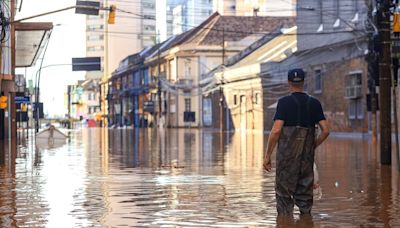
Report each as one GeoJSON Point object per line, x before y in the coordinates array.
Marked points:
{"type": "Point", "coordinates": [184, 84]}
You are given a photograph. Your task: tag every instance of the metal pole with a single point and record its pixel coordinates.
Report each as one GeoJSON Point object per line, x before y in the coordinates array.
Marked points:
{"type": "Point", "coordinates": [104, 103]}
{"type": "Point", "coordinates": [69, 106]}
{"type": "Point", "coordinates": [60, 10]}
{"type": "Point", "coordinates": [38, 84]}
{"type": "Point", "coordinates": [385, 81]}
{"type": "Point", "coordinates": [221, 90]}
{"type": "Point", "coordinates": [372, 61]}
{"type": "Point", "coordinates": [396, 123]}
{"type": "Point", "coordinates": [47, 13]}
{"type": "Point", "coordinates": [159, 87]}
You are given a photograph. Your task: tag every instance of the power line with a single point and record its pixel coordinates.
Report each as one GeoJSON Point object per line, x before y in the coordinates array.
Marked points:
{"type": "Point", "coordinates": [193, 26]}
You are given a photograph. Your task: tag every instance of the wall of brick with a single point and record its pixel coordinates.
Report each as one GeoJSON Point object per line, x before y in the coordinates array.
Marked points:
{"type": "Point", "coordinates": [332, 95]}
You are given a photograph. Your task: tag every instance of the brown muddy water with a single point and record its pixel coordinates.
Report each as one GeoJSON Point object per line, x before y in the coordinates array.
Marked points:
{"type": "Point", "coordinates": [184, 178]}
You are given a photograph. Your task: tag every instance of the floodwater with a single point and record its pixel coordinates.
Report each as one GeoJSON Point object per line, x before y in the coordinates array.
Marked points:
{"type": "Point", "coordinates": [184, 178]}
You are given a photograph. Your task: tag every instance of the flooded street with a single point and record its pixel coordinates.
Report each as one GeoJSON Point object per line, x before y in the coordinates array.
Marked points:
{"type": "Point", "coordinates": [184, 178]}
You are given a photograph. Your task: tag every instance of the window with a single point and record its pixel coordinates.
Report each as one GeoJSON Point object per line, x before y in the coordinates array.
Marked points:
{"type": "Point", "coordinates": [257, 98]}
{"type": "Point", "coordinates": [146, 77]}
{"type": "Point", "coordinates": [94, 27]}
{"type": "Point", "coordinates": [188, 69]}
{"type": "Point", "coordinates": [95, 37]}
{"type": "Point", "coordinates": [150, 28]}
{"type": "Point", "coordinates": [162, 68]}
{"type": "Point", "coordinates": [318, 81]}
{"type": "Point", "coordinates": [235, 99]}
{"type": "Point", "coordinates": [354, 79]}
{"type": "Point", "coordinates": [149, 17]}
{"type": "Point", "coordinates": [136, 79]}
{"type": "Point", "coordinates": [95, 17]}
{"type": "Point", "coordinates": [305, 86]}
{"type": "Point", "coordinates": [95, 48]}
{"type": "Point", "coordinates": [353, 93]}
{"type": "Point", "coordinates": [356, 109]}
{"type": "Point", "coordinates": [188, 104]}
{"type": "Point", "coordinates": [148, 5]}
{"type": "Point", "coordinates": [353, 85]}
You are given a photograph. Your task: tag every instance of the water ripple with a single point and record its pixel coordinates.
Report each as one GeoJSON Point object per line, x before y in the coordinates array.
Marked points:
{"type": "Point", "coordinates": [185, 178]}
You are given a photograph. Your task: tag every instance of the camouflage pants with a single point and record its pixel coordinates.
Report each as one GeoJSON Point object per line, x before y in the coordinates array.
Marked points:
{"type": "Point", "coordinates": [294, 170]}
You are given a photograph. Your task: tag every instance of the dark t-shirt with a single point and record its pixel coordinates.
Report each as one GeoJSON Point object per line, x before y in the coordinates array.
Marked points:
{"type": "Point", "coordinates": [287, 110]}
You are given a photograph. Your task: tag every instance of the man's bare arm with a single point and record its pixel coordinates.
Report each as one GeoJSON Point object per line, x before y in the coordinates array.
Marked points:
{"type": "Point", "coordinates": [324, 132]}
{"type": "Point", "coordinates": [272, 140]}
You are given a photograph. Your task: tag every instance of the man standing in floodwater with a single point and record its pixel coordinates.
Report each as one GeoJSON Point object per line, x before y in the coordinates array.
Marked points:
{"type": "Point", "coordinates": [294, 129]}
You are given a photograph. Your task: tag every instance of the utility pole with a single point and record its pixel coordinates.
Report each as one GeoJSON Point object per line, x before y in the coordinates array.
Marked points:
{"type": "Point", "coordinates": [159, 80]}
{"type": "Point", "coordinates": [104, 103]}
{"type": "Point", "coordinates": [69, 89]}
{"type": "Point", "coordinates": [383, 16]}
{"type": "Point", "coordinates": [221, 89]}
{"type": "Point", "coordinates": [372, 59]}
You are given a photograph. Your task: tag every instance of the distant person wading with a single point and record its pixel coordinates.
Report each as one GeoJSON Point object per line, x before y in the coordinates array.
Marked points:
{"type": "Point", "coordinates": [294, 129]}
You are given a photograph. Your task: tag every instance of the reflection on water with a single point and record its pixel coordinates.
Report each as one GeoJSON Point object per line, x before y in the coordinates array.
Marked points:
{"type": "Point", "coordinates": [184, 177]}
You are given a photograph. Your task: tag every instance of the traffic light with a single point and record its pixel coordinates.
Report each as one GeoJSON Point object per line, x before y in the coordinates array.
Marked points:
{"type": "Point", "coordinates": [111, 14]}
{"type": "Point", "coordinates": [3, 102]}
{"type": "Point", "coordinates": [396, 22]}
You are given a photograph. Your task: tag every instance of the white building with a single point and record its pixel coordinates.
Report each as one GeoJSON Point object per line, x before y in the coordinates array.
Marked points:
{"type": "Point", "coordinates": [255, 7]}
{"type": "Point", "coordinates": [164, 17]}
{"type": "Point", "coordinates": [189, 14]}
{"type": "Point", "coordinates": [134, 29]}
{"type": "Point", "coordinates": [177, 16]}
{"type": "Point", "coordinates": [95, 42]}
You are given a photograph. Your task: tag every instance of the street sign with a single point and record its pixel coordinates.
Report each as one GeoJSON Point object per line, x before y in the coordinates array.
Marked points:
{"type": "Point", "coordinates": [20, 99]}
{"type": "Point", "coordinates": [87, 7]}
{"type": "Point", "coordinates": [148, 106]}
{"type": "Point", "coordinates": [40, 107]}
{"type": "Point", "coordinates": [86, 64]}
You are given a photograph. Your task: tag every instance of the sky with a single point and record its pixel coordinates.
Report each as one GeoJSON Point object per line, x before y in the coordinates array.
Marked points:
{"type": "Point", "coordinates": [67, 41]}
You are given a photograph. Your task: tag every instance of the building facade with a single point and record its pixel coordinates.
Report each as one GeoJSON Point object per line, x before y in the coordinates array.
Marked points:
{"type": "Point", "coordinates": [332, 51]}
{"type": "Point", "coordinates": [21, 45]}
{"type": "Point", "coordinates": [95, 46]}
{"type": "Point", "coordinates": [132, 92]}
{"type": "Point", "coordinates": [255, 7]}
{"type": "Point", "coordinates": [239, 102]}
{"type": "Point", "coordinates": [164, 18]}
{"type": "Point", "coordinates": [199, 51]}
{"type": "Point", "coordinates": [130, 34]}
{"type": "Point", "coordinates": [189, 14]}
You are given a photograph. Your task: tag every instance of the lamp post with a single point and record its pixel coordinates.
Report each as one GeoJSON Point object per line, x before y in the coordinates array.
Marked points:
{"type": "Point", "coordinates": [37, 92]}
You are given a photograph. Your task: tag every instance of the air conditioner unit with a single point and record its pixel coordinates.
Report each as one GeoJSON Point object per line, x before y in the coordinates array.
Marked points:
{"type": "Point", "coordinates": [353, 92]}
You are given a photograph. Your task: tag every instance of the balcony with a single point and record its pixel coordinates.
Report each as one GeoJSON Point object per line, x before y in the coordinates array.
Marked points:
{"type": "Point", "coordinates": [184, 84]}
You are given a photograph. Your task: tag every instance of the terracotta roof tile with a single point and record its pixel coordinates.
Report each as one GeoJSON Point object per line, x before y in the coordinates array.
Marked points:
{"type": "Point", "coordinates": [236, 28]}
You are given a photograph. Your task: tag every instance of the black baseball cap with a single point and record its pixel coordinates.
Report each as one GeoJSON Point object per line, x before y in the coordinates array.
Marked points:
{"type": "Point", "coordinates": [296, 75]}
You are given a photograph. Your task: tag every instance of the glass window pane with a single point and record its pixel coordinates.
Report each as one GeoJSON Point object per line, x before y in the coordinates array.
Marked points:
{"type": "Point", "coordinates": [352, 109]}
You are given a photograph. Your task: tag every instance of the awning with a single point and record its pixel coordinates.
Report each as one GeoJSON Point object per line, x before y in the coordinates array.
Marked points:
{"type": "Point", "coordinates": [30, 39]}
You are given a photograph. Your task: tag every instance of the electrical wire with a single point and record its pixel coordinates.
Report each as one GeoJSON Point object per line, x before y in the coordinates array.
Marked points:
{"type": "Point", "coordinates": [37, 96]}
{"type": "Point", "coordinates": [213, 85]}
{"type": "Point", "coordinates": [4, 21]}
